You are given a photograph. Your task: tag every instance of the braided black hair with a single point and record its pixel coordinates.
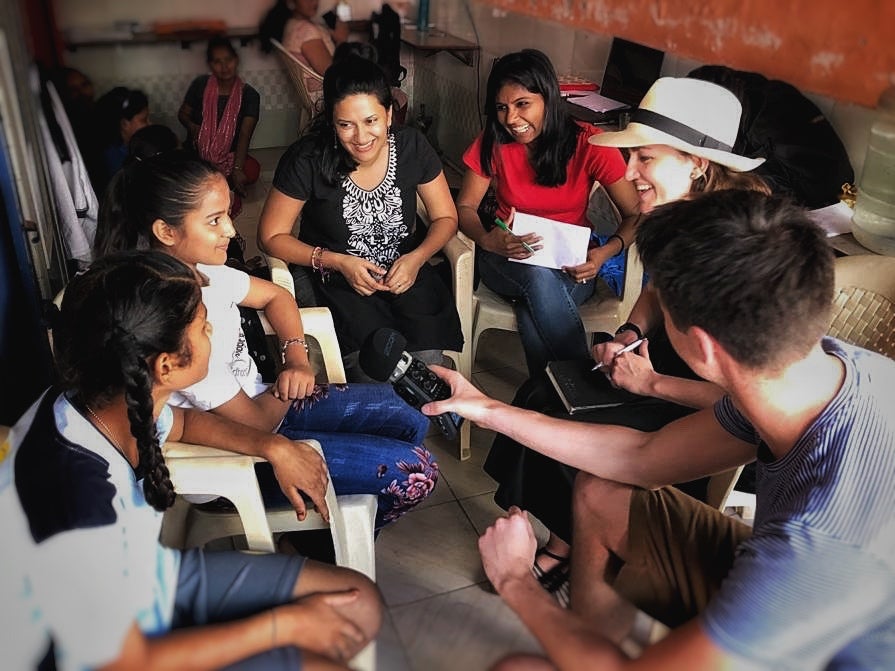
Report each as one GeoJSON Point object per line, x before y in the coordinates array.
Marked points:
{"type": "Point", "coordinates": [115, 319]}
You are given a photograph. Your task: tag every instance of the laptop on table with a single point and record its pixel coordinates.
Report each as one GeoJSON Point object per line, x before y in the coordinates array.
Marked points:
{"type": "Point", "coordinates": [630, 70]}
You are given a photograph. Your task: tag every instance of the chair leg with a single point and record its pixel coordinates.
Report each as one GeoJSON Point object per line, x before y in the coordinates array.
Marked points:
{"type": "Point", "coordinates": [357, 520]}
{"type": "Point", "coordinates": [465, 450]}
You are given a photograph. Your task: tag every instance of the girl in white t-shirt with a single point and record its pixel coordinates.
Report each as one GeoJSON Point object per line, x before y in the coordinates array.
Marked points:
{"type": "Point", "coordinates": [371, 438]}
{"type": "Point", "coordinates": [83, 484]}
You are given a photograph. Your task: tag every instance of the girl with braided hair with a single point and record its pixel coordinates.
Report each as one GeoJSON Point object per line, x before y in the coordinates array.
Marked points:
{"type": "Point", "coordinates": [86, 583]}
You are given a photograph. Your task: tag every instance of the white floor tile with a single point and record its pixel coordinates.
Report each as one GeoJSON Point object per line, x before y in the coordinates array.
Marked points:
{"type": "Point", "coordinates": [465, 478]}
{"type": "Point", "coordinates": [390, 653]}
{"type": "Point", "coordinates": [468, 629]}
{"type": "Point", "coordinates": [427, 552]}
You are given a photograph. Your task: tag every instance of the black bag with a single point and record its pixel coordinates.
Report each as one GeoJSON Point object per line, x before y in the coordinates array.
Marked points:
{"type": "Point", "coordinates": [805, 159]}
{"type": "Point", "coordinates": [386, 29]}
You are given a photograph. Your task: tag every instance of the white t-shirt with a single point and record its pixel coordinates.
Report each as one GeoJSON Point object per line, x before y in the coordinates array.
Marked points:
{"type": "Point", "coordinates": [230, 367]}
{"type": "Point", "coordinates": [81, 557]}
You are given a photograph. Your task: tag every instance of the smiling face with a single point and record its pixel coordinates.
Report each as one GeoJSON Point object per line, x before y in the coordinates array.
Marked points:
{"type": "Point", "coordinates": [361, 124]}
{"type": "Point", "coordinates": [223, 64]}
{"type": "Point", "coordinates": [661, 174]}
{"type": "Point", "coordinates": [520, 111]}
{"type": "Point", "coordinates": [205, 233]}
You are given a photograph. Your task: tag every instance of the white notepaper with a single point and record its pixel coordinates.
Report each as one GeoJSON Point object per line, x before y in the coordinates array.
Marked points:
{"type": "Point", "coordinates": [834, 219]}
{"type": "Point", "coordinates": [562, 244]}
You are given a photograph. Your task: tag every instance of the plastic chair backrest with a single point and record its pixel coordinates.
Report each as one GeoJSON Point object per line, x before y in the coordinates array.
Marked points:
{"type": "Point", "coordinates": [300, 74]}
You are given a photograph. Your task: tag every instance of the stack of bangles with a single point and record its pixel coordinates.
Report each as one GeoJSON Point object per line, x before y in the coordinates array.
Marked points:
{"type": "Point", "coordinates": [317, 262]}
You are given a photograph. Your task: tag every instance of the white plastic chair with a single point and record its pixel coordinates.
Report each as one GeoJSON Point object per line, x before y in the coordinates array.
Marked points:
{"type": "Point", "coordinates": [460, 254]}
{"type": "Point", "coordinates": [204, 470]}
{"type": "Point", "coordinates": [300, 74]}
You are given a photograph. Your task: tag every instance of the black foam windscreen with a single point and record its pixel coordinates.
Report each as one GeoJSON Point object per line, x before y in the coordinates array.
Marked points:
{"type": "Point", "coordinates": [380, 353]}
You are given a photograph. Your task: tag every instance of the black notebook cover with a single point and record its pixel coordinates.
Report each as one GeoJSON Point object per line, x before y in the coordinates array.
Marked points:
{"type": "Point", "coordinates": [582, 389]}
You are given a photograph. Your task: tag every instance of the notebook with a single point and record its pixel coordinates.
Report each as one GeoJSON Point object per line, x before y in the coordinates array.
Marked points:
{"type": "Point", "coordinates": [581, 389]}
{"type": "Point", "coordinates": [630, 70]}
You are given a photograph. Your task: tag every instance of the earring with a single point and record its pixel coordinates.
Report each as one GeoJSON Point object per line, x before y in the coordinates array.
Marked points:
{"type": "Point", "coordinates": [335, 141]}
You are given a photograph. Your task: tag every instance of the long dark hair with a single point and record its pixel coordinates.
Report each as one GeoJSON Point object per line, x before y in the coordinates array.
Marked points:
{"type": "Point", "coordinates": [350, 76]}
{"type": "Point", "coordinates": [219, 42]}
{"type": "Point", "coordinates": [115, 319]}
{"type": "Point", "coordinates": [273, 24]}
{"type": "Point", "coordinates": [556, 144]}
{"type": "Point", "coordinates": [167, 186]}
{"type": "Point", "coordinates": [119, 104]}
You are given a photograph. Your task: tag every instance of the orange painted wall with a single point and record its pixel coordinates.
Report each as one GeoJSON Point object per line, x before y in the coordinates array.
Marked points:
{"type": "Point", "coordinates": [844, 49]}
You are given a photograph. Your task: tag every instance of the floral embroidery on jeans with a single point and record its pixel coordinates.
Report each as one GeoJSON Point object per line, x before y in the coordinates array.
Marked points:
{"type": "Point", "coordinates": [421, 480]}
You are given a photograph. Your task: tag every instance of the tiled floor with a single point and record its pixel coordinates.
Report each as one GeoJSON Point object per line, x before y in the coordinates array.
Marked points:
{"type": "Point", "coordinates": [438, 615]}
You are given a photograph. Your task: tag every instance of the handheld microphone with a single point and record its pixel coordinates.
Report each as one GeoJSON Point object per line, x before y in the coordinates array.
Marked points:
{"type": "Point", "coordinates": [383, 358]}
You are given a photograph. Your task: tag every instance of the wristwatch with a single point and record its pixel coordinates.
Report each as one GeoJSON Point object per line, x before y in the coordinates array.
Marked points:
{"type": "Point", "coordinates": [629, 326]}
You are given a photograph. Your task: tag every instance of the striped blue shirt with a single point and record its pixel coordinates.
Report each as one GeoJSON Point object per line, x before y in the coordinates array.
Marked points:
{"type": "Point", "coordinates": [814, 587]}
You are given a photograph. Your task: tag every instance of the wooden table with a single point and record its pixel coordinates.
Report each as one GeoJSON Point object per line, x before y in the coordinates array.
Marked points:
{"type": "Point", "coordinates": [429, 42]}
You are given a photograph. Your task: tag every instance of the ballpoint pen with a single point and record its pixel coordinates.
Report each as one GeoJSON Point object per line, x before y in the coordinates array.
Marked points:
{"type": "Point", "coordinates": [501, 224]}
{"type": "Point", "coordinates": [627, 348]}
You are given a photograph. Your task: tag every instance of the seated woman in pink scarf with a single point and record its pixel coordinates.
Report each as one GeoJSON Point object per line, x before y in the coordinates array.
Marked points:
{"type": "Point", "coordinates": [220, 112]}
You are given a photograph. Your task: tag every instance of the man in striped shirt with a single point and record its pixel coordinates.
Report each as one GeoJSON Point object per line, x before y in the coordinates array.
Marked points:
{"type": "Point", "coordinates": [745, 283]}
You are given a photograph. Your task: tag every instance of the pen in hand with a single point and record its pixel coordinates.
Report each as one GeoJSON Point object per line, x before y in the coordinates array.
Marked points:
{"type": "Point", "coordinates": [501, 224]}
{"type": "Point", "coordinates": [627, 348]}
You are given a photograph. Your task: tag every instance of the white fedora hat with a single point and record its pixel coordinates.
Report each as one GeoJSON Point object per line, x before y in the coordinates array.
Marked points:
{"type": "Point", "coordinates": [691, 115]}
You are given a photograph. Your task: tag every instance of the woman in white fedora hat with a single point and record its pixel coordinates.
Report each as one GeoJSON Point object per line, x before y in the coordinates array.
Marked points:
{"type": "Point", "coordinates": [679, 143]}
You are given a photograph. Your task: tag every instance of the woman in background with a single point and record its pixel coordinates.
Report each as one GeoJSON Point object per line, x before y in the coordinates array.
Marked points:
{"type": "Point", "coordinates": [122, 112]}
{"type": "Point", "coordinates": [538, 160]}
{"type": "Point", "coordinates": [220, 113]}
{"type": "Point", "coordinates": [294, 23]}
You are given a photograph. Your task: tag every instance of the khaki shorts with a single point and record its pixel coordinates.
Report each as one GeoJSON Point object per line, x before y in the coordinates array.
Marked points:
{"type": "Point", "coordinates": [679, 551]}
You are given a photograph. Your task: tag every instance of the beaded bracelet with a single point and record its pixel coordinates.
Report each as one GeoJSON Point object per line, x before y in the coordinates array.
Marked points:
{"type": "Point", "coordinates": [316, 257]}
{"type": "Point", "coordinates": [292, 341]}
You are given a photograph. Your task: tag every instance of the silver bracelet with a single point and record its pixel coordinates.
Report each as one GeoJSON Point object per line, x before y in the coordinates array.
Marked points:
{"type": "Point", "coordinates": [292, 341]}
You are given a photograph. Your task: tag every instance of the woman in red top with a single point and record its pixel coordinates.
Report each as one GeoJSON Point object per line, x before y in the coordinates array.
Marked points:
{"type": "Point", "coordinates": [538, 160]}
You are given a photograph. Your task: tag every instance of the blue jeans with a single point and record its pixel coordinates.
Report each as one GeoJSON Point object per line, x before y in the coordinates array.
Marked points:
{"type": "Point", "coordinates": [546, 304]}
{"type": "Point", "coordinates": [373, 444]}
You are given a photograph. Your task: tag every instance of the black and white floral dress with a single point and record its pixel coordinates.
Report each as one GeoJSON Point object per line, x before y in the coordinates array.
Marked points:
{"type": "Point", "coordinates": [379, 225]}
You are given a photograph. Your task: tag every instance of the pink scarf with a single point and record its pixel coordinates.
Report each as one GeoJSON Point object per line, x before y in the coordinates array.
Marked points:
{"type": "Point", "coordinates": [216, 137]}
